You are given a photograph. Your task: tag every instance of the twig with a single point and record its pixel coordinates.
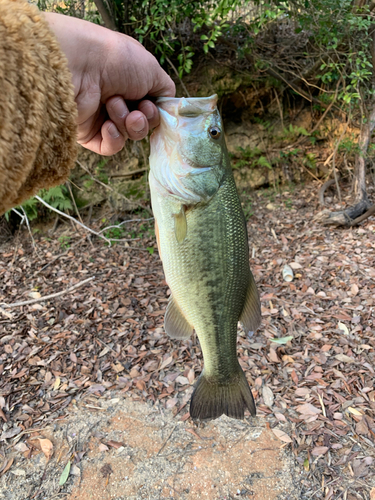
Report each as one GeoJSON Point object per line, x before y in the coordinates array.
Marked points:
{"type": "Point", "coordinates": [178, 76]}
{"type": "Point", "coordinates": [109, 188]}
{"type": "Point", "coordinates": [323, 188]}
{"type": "Point", "coordinates": [280, 108]}
{"type": "Point", "coordinates": [77, 211]}
{"type": "Point", "coordinates": [125, 222]}
{"type": "Point", "coordinates": [166, 441]}
{"type": "Point", "coordinates": [334, 159]}
{"type": "Point", "coordinates": [128, 174]}
{"type": "Point", "coordinates": [73, 219]}
{"type": "Point", "coordinates": [8, 315]}
{"type": "Point", "coordinates": [24, 218]}
{"type": "Point", "coordinates": [47, 297]}
{"type": "Point", "coordinates": [367, 214]}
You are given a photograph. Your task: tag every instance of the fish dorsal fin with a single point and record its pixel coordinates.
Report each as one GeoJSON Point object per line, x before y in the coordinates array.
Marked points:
{"type": "Point", "coordinates": [180, 225]}
{"type": "Point", "coordinates": [251, 313]}
{"type": "Point", "coordinates": [175, 323]}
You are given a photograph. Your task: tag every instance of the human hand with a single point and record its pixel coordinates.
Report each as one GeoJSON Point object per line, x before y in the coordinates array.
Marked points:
{"type": "Point", "coordinates": [110, 69]}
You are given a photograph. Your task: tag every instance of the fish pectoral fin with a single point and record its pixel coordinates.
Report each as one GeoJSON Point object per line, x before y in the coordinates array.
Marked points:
{"type": "Point", "coordinates": [180, 225]}
{"type": "Point", "coordinates": [251, 314]}
{"type": "Point", "coordinates": [175, 323]}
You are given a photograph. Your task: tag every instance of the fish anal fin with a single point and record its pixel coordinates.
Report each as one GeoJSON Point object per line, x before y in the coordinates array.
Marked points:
{"type": "Point", "coordinates": [213, 398]}
{"type": "Point", "coordinates": [251, 313]}
{"type": "Point", "coordinates": [180, 225]}
{"type": "Point", "coordinates": [175, 323]}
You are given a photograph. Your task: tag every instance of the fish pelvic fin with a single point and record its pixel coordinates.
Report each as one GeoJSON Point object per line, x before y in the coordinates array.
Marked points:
{"type": "Point", "coordinates": [175, 323]}
{"type": "Point", "coordinates": [212, 398]}
{"type": "Point", "coordinates": [180, 225]}
{"type": "Point", "coordinates": [251, 315]}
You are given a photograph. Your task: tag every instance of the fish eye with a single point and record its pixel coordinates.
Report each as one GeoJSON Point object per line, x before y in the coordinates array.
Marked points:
{"type": "Point", "coordinates": [215, 132]}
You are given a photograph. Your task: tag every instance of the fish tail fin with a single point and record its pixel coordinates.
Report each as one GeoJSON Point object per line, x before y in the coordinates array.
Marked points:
{"type": "Point", "coordinates": [212, 398]}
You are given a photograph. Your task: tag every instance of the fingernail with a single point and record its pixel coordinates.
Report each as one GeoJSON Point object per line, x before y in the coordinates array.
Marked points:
{"type": "Point", "coordinates": [119, 108]}
{"type": "Point", "coordinates": [149, 113]}
{"type": "Point", "coordinates": [139, 124]}
{"type": "Point", "coordinates": [113, 132]}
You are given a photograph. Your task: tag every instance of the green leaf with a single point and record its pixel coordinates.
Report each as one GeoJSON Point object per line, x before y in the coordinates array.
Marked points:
{"type": "Point", "coordinates": [65, 474]}
{"type": "Point", "coordinates": [282, 340]}
{"type": "Point", "coordinates": [204, 37]}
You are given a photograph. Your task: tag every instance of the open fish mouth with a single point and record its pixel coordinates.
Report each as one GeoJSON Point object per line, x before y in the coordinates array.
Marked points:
{"type": "Point", "coordinates": [187, 106]}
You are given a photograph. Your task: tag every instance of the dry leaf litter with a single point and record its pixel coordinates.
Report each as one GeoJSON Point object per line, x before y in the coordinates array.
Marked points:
{"type": "Point", "coordinates": [311, 364]}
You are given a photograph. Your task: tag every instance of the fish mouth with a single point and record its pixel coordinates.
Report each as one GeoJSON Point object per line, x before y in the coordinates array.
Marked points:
{"type": "Point", "coordinates": [187, 106]}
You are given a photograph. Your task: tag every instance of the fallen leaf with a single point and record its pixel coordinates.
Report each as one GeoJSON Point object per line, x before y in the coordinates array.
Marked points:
{"type": "Point", "coordinates": [6, 466]}
{"type": "Point", "coordinates": [343, 328]}
{"type": "Point", "coordinates": [171, 403]}
{"type": "Point", "coordinates": [114, 444]}
{"type": "Point", "coordinates": [268, 396]}
{"type": "Point", "coordinates": [21, 447]}
{"type": "Point", "coordinates": [56, 384]}
{"type": "Point", "coordinates": [282, 340]}
{"type": "Point", "coordinates": [273, 356]}
{"type": "Point", "coordinates": [295, 265]}
{"type": "Point", "coordinates": [47, 447]}
{"type": "Point", "coordinates": [11, 433]}
{"type": "Point", "coordinates": [308, 409]}
{"type": "Point", "coordinates": [191, 376]}
{"type": "Point", "coordinates": [319, 450]}
{"type": "Point", "coordinates": [34, 295]}
{"type": "Point", "coordinates": [166, 362]}
{"type": "Point", "coordinates": [18, 472]}
{"type": "Point", "coordinates": [280, 417]}
{"type": "Point", "coordinates": [65, 474]}
{"type": "Point", "coordinates": [283, 436]}
{"type": "Point", "coordinates": [75, 471]}
{"type": "Point", "coordinates": [361, 427]}
{"type": "Point", "coordinates": [182, 380]}
{"type": "Point", "coordinates": [344, 358]}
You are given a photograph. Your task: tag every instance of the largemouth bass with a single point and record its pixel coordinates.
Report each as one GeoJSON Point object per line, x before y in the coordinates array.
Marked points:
{"type": "Point", "coordinates": [203, 244]}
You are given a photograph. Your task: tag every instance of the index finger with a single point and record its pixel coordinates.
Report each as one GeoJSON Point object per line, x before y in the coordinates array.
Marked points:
{"type": "Point", "coordinates": [163, 85]}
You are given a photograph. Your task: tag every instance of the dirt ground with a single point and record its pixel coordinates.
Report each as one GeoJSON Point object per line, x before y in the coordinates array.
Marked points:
{"type": "Point", "coordinates": [130, 450]}
{"type": "Point", "coordinates": [89, 379]}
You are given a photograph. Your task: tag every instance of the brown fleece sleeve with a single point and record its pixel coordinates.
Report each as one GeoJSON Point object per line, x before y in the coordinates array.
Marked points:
{"type": "Point", "coordinates": [37, 108]}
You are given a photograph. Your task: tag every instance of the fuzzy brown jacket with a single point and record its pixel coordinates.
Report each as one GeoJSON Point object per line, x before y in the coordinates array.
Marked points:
{"type": "Point", "coordinates": [37, 109]}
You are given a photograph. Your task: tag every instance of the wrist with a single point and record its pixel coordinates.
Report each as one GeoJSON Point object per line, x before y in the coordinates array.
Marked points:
{"type": "Point", "coordinates": [83, 44]}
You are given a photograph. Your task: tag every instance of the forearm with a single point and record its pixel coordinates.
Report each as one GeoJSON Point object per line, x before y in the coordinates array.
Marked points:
{"type": "Point", "coordinates": [37, 108]}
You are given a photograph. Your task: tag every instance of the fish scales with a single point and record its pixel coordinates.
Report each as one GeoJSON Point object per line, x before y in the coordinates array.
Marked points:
{"type": "Point", "coordinates": [207, 270]}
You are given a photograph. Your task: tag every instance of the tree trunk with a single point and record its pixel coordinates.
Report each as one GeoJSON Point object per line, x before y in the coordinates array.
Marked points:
{"type": "Point", "coordinates": [108, 21]}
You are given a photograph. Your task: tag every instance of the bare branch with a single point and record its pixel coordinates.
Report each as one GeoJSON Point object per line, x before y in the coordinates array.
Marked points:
{"type": "Point", "coordinates": [72, 219]}
{"type": "Point", "coordinates": [48, 297]}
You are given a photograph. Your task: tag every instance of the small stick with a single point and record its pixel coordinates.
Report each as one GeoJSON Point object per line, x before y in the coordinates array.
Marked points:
{"type": "Point", "coordinates": [72, 219]}
{"type": "Point", "coordinates": [139, 171]}
{"type": "Point", "coordinates": [47, 297]}
{"type": "Point", "coordinates": [77, 211]}
{"type": "Point", "coordinates": [166, 441]}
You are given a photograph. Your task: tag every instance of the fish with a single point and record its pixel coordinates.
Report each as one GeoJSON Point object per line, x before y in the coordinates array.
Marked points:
{"type": "Point", "coordinates": [203, 244]}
